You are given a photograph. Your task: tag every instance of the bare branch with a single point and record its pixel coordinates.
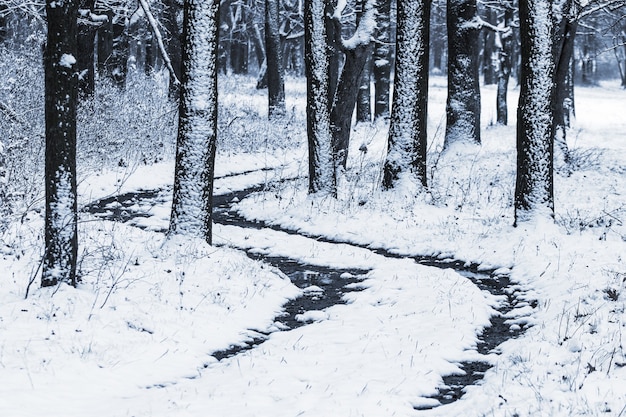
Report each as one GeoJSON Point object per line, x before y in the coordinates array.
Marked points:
{"type": "Point", "coordinates": [157, 35]}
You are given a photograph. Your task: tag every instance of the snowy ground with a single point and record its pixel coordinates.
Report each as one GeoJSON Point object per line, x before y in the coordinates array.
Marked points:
{"type": "Point", "coordinates": [136, 337]}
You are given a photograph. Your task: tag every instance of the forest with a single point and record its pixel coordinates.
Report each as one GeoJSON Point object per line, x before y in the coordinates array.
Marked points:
{"type": "Point", "coordinates": [312, 207]}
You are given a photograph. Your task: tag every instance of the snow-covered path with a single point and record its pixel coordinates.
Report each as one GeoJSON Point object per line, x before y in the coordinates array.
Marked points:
{"type": "Point", "coordinates": [382, 353]}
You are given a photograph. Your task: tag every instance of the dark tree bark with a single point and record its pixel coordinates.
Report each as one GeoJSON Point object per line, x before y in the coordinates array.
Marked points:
{"type": "Point", "coordinates": [489, 37]}
{"type": "Point", "coordinates": [238, 38]}
{"type": "Point", "coordinates": [61, 92]}
{"type": "Point", "coordinates": [274, 72]}
{"type": "Point", "coordinates": [438, 36]}
{"type": "Point", "coordinates": [356, 51]}
{"type": "Point", "coordinates": [565, 32]}
{"type": "Point", "coordinates": [382, 62]}
{"type": "Point", "coordinates": [406, 155]}
{"type": "Point", "coordinates": [172, 34]}
{"type": "Point", "coordinates": [197, 123]}
{"type": "Point", "coordinates": [534, 187]}
{"type": "Point", "coordinates": [86, 57]}
{"type": "Point", "coordinates": [363, 101]}
{"type": "Point", "coordinates": [505, 53]}
{"type": "Point", "coordinates": [463, 104]}
{"type": "Point", "coordinates": [113, 48]}
{"type": "Point", "coordinates": [321, 167]}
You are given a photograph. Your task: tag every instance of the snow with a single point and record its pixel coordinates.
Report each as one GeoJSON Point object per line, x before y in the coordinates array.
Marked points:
{"type": "Point", "coordinates": [136, 336]}
{"type": "Point", "coordinates": [67, 60]}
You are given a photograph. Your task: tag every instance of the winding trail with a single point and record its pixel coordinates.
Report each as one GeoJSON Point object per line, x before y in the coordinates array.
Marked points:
{"type": "Point", "coordinates": [330, 285]}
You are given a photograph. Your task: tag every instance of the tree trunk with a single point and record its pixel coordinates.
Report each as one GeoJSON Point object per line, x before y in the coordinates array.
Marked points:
{"type": "Point", "coordinates": [321, 167]}
{"type": "Point", "coordinates": [406, 156]}
{"type": "Point", "coordinates": [85, 60]}
{"type": "Point", "coordinates": [172, 42]}
{"type": "Point", "coordinates": [489, 36]}
{"type": "Point", "coordinates": [505, 53]}
{"type": "Point", "coordinates": [463, 104]}
{"type": "Point", "coordinates": [382, 62]}
{"type": "Point", "coordinates": [274, 71]}
{"type": "Point", "coordinates": [363, 101]}
{"type": "Point", "coordinates": [61, 242]}
{"type": "Point", "coordinates": [345, 99]}
{"type": "Point", "coordinates": [197, 122]}
{"type": "Point", "coordinates": [534, 187]}
{"type": "Point", "coordinates": [565, 32]}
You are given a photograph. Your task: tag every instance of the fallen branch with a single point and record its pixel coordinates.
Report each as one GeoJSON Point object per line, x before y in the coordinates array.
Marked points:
{"type": "Point", "coordinates": [157, 35]}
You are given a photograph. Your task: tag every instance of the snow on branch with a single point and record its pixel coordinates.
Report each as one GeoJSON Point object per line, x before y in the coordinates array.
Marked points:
{"type": "Point", "coordinates": [365, 29]}
{"type": "Point", "coordinates": [157, 35]}
{"type": "Point", "coordinates": [478, 23]}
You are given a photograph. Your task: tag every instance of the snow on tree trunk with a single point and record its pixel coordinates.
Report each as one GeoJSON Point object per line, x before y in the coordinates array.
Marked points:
{"type": "Point", "coordinates": [274, 70]}
{"type": "Point", "coordinates": [61, 92]}
{"type": "Point", "coordinates": [356, 50]}
{"type": "Point", "coordinates": [321, 166]}
{"type": "Point", "coordinates": [197, 123]}
{"type": "Point", "coordinates": [407, 129]}
{"type": "Point", "coordinates": [382, 62]}
{"type": "Point", "coordinates": [463, 104]}
{"type": "Point", "coordinates": [363, 101]}
{"type": "Point", "coordinates": [565, 33]}
{"type": "Point", "coordinates": [504, 42]}
{"type": "Point", "coordinates": [535, 121]}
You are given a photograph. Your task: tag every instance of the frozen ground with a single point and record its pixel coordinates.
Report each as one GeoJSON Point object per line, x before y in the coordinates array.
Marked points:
{"type": "Point", "coordinates": [136, 337]}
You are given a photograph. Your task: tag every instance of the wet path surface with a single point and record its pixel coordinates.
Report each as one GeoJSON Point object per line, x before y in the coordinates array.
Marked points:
{"type": "Point", "coordinates": [325, 287]}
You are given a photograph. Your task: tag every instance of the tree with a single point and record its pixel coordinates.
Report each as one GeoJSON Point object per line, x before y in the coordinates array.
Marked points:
{"type": "Point", "coordinates": [534, 187]}
{"type": "Point", "coordinates": [316, 59]}
{"type": "Point", "coordinates": [463, 103]}
{"type": "Point", "coordinates": [504, 42]}
{"type": "Point", "coordinates": [407, 129]}
{"type": "Point", "coordinates": [356, 50]}
{"type": "Point", "coordinates": [197, 122]}
{"type": "Point", "coordinates": [382, 61]}
{"type": "Point", "coordinates": [363, 101]}
{"type": "Point", "coordinates": [274, 57]}
{"type": "Point", "coordinates": [61, 242]}
{"type": "Point", "coordinates": [172, 33]}
{"type": "Point", "coordinates": [565, 32]}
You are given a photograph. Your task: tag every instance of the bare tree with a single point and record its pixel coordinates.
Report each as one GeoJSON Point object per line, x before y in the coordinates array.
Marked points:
{"type": "Point", "coordinates": [61, 243]}
{"type": "Point", "coordinates": [534, 187]}
{"type": "Point", "coordinates": [407, 131]}
{"type": "Point", "coordinates": [463, 104]}
{"type": "Point", "coordinates": [321, 163]}
{"type": "Point", "coordinates": [197, 123]}
{"type": "Point", "coordinates": [382, 61]}
{"type": "Point", "coordinates": [274, 59]}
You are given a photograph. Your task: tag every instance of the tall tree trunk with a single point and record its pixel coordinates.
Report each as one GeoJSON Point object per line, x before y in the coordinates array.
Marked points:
{"type": "Point", "coordinates": [274, 72]}
{"type": "Point", "coordinates": [382, 62]}
{"type": "Point", "coordinates": [61, 242]}
{"type": "Point", "coordinates": [463, 104]}
{"type": "Point", "coordinates": [505, 53]}
{"type": "Point", "coordinates": [489, 73]}
{"type": "Point", "coordinates": [565, 32]}
{"type": "Point", "coordinates": [363, 101]}
{"type": "Point", "coordinates": [406, 156]}
{"type": "Point", "coordinates": [356, 51]}
{"type": "Point", "coordinates": [197, 123]}
{"type": "Point", "coordinates": [172, 34]}
{"type": "Point", "coordinates": [85, 60]}
{"type": "Point", "coordinates": [534, 187]}
{"type": "Point", "coordinates": [321, 167]}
